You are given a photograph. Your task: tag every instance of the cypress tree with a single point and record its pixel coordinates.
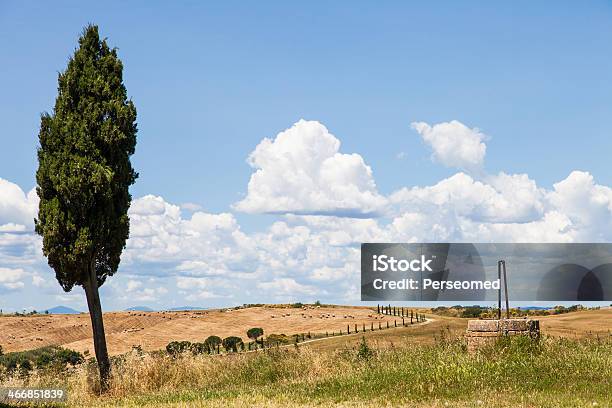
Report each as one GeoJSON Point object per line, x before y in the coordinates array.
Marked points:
{"type": "Point", "coordinates": [84, 174]}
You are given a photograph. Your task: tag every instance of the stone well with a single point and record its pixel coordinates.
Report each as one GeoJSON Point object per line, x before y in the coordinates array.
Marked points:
{"type": "Point", "coordinates": [481, 333]}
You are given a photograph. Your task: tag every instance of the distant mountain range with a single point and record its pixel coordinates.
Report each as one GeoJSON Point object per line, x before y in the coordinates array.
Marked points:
{"type": "Point", "coordinates": [535, 308]}
{"type": "Point", "coordinates": [61, 310]}
{"type": "Point", "coordinates": [69, 310]}
{"type": "Point", "coordinates": [139, 309]}
{"type": "Point", "coordinates": [181, 308]}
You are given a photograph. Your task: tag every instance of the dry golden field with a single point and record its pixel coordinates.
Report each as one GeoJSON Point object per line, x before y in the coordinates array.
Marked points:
{"type": "Point", "coordinates": [363, 369]}
{"type": "Point", "coordinates": [153, 330]}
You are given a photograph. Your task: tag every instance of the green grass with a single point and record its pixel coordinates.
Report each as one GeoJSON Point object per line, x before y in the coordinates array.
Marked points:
{"type": "Point", "coordinates": [516, 372]}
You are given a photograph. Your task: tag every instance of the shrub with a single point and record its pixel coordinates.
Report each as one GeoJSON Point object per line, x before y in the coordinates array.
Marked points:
{"type": "Point", "coordinates": [175, 348]}
{"type": "Point", "coordinates": [297, 305]}
{"type": "Point", "coordinates": [274, 339]}
{"type": "Point", "coordinates": [364, 352]}
{"type": "Point", "coordinates": [231, 343]}
{"type": "Point", "coordinates": [472, 311]}
{"type": "Point", "coordinates": [71, 357]}
{"type": "Point", "coordinates": [43, 358]}
{"type": "Point", "coordinates": [200, 348]}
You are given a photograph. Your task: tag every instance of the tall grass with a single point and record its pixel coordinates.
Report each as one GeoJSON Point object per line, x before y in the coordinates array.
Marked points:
{"type": "Point", "coordinates": [552, 372]}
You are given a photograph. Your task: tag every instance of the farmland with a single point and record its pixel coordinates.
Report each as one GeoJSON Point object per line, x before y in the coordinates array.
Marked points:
{"type": "Point", "coordinates": [569, 367]}
{"type": "Point", "coordinates": [153, 330]}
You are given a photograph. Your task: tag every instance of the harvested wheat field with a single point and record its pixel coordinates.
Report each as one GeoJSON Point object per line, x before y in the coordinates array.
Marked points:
{"type": "Point", "coordinates": [578, 324]}
{"type": "Point", "coordinates": [153, 330]}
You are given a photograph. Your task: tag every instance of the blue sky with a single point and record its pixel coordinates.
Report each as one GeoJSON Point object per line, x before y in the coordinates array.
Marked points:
{"type": "Point", "coordinates": [212, 80]}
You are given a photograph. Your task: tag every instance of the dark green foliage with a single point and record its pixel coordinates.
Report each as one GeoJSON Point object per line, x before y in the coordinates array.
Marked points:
{"type": "Point", "coordinates": [71, 357]}
{"type": "Point", "coordinates": [84, 165]}
{"type": "Point", "coordinates": [175, 348]}
{"type": "Point", "coordinates": [472, 311]}
{"type": "Point", "coordinates": [297, 305]}
{"type": "Point", "coordinates": [200, 348]}
{"type": "Point", "coordinates": [231, 343]}
{"type": "Point", "coordinates": [364, 352]}
{"type": "Point", "coordinates": [43, 358]}
{"type": "Point", "coordinates": [254, 333]}
{"type": "Point", "coordinates": [212, 343]}
{"type": "Point", "coordinates": [84, 174]}
{"type": "Point", "coordinates": [213, 340]}
{"type": "Point", "coordinates": [274, 339]}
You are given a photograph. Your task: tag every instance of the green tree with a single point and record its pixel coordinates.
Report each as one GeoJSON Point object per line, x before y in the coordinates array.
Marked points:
{"type": "Point", "coordinates": [84, 174]}
{"type": "Point", "coordinates": [232, 343]}
{"type": "Point", "coordinates": [254, 333]}
{"type": "Point", "coordinates": [212, 342]}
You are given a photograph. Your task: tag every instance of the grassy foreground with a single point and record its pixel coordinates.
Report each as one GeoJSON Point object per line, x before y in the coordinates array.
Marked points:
{"type": "Point", "coordinates": [516, 372]}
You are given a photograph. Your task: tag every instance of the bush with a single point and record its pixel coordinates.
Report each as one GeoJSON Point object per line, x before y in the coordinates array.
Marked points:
{"type": "Point", "coordinates": [43, 358]}
{"type": "Point", "coordinates": [472, 311]}
{"type": "Point", "coordinates": [297, 305]}
{"type": "Point", "coordinates": [175, 348]}
{"type": "Point", "coordinates": [274, 339]}
{"type": "Point", "coordinates": [231, 343]}
{"type": "Point", "coordinates": [71, 357]}
{"type": "Point", "coordinates": [200, 348]}
{"type": "Point", "coordinates": [364, 352]}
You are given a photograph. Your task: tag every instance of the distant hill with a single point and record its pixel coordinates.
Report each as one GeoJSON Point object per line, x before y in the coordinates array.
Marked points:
{"type": "Point", "coordinates": [535, 308]}
{"type": "Point", "coordinates": [181, 308]}
{"type": "Point", "coordinates": [139, 309]}
{"type": "Point", "coordinates": [61, 310]}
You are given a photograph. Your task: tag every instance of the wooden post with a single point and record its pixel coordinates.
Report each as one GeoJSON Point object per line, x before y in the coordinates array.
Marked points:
{"type": "Point", "coordinates": [356, 331]}
{"type": "Point", "coordinates": [395, 322]}
{"type": "Point", "coordinates": [499, 291]}
{"type": "Point", "coordinates": [403, 323]}
{"type": "Point", "coordinates": [372, 326]}
{"type": "Point", "coordinates": [506, 290]}
{"type": "Point", "coordinates": [387, 324]}
{"type": "Point", "coordinates": [348, 329]}
{"type": "Point", "coordinates": [379, 328]}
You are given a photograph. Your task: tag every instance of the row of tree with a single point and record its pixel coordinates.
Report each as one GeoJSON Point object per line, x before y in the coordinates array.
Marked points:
{"type": "Point", "coordinates": [399, 312]}
{"type": "Point", "coordinates": [213, 344]}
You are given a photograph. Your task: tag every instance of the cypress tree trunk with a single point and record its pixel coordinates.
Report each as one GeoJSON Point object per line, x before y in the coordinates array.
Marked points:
{"type": "Point", "coordinates": [97, 325]}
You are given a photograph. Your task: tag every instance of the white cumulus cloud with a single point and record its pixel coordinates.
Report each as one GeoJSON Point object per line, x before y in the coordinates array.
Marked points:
{"type": "Point", "coordinates": [17, 209]}
{"type": "Point", "coordinates": [302, 171]}
{"type": "Point", "coordinates": [454, 144]}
